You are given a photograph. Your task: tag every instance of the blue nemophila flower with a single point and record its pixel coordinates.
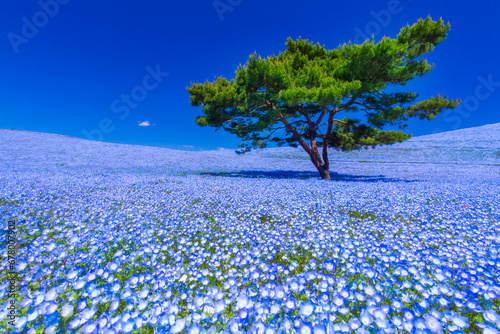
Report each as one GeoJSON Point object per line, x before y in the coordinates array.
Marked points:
{"type": "Point", "coordinates": [397, 304]}
{"type": "Point", "coordinates": [370, 291]}
{"type": "Point", "coordinates": [115, 287]}
{"type": "Point", "coordinates": [20, 322]}
{"type": "Point", "coordinates": [338, 300]}
{"type": "Point", "coordinates": [279, 292]}
{"type": "Point", "coordinates": [383, 323]}
{"type": "Point", "coordinates": [164, 320]}
{"type": "Point", "coordinates": [433, 324]}
{"type": "Point", "coordinates": [323, 286]}
{"type": "Point", "coordinates": [142, 305]}
{"type": "Point", "coordinates": [39, 299]}
{"type": "Point", "coordinates": [126, 293]}
{"type": "Point", "coordinates": [88, 313]}
{"type": "Point", "coordinates": [487, 329]}
{"type": "Point", "coordinates": [31, 331]}
{"type": "Point", "coordinates": [305, 328]}
{"type": "Point", "coordinates": [366, 318]}
{"type": "Point", "coordinates": [178, 326]}
{"type": "Point", "coordinates": [420, 324]}
{"type": "Point", "coordinates": [88, 328]}
{"type": "Point", "coordinates": [219, 306]}
{"type": "Point", "coordinates": [418, 309]}
{"type": "Point", "coordinates": [362, 331]}
{"type": "Point", "coordinates": [324, 298]}
{"type": "Point", "coordinates": [492, 316]}
{"type": "Point", "coordinates": [50, 308]}
{"type": "Point", "coordinates": [473, 306]}
{"type": "Point", "coordinates": [329, 265]}
{"type": "Point", "coordinates": [264, 292]}
{"type": "Point", "coordinates": [397, 321]}
{"type": "Point", "coordinates": [112, 266]}
{"type": "Point", "coordinates": [460, 321]}
{"type": "Point", "coordinates": [306, 309]}
{"type": "Point", "coordinates": [243, 314]}
{"type": "Point", "coordinates": [242, 301]}
{"type": "Point", "coordinates": [344, 310]}
{"type": "Point", "coordinates": [26, 302]}
{"type": "Point", "coordinates": [114, 305]}
{"type": "Point", "coordinates": [319, 329]}
{"type": "Point", "coordinates": [75, 323]}
{"type": "Point", "coordinates": [3, 314]}
{"type": "Point", "coordinates": [274, 309]}
{"type": "Point", "coordinates": [102, 322]}
{"type": "Point", "coordinates": [360, 296]}
{"type": "Point", "coordinates": [79, 284]}
{"type": "Point", "coordinates": [20, 266]}
{"type": "Point", "coordinates": [51, 329]}
{"type": "Point", "coordinates": [408, 325]}
{"type": "Point", "coordinates": [81, 304]}
{"type": "Point", "coordinates": [66, 310]}
{"type": "Point", "coordinates": [290, 304]}
{"type": "Point", "coordinates": [32, 314]}
{"type": "Point", "coordinates": [408, 314]}
{"type": "Point", "coordinates": [379, 313]}
{"type": "Point", "coordinates": [198, 301]}
{"type": "Point", "coordinates": [143, 293]}
{"type": "Point", "coordinates": [50, 295]}
{"type": "Point", "coordinates": [196, 329]}
{"type": "Point", "coordinates": [354, 324]}
{"type": "Point", "coordinates": [127, 325]}
{"type": "Point", "coordinates": [294, 286]}
{"type": "Point", "coordinates": [342, 282]}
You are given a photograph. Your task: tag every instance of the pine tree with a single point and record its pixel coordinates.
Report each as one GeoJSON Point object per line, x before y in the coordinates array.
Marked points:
{"type": "Point", "coordinates": [293, 98]}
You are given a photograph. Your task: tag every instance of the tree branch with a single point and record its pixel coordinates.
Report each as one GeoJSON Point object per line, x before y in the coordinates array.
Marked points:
{"type": "Point", "coordinates": [364, 105]}
{"type": "Point", "coordinates": [320, 117]}
{"type": "Point", "coordinates": [309, 122]}
{"type": "Point", "coordinates": [273, 131]}
{"type": "Point", "coordinates": [294, 131]}
{"type": "Point", "coordinates": [339, 121]}
{"type": "Point", "coordinates": [351, 101]}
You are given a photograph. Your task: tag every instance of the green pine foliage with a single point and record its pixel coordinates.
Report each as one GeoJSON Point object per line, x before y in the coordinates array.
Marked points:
{"type": "Point", "coordinates": [292, 98]}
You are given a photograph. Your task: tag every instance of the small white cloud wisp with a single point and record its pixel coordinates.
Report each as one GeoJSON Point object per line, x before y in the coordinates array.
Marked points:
{"type": "Point", "coordinates": [145, 123]}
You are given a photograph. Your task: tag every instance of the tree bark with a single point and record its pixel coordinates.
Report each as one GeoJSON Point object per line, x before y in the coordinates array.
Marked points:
{"type": "Point", "coordinates": [324, 173]}
{"type": "Point", "coordinates": [326, 138]}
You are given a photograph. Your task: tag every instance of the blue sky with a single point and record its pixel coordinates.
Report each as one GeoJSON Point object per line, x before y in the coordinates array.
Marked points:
{"type": "Point", "coordinates": [98, 69]}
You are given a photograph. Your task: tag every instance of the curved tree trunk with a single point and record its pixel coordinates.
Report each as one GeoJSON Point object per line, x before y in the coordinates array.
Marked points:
{"type": "Point", "coordinates": [320, 166]}
{"type": "Point", "coordinates": [325, 174]}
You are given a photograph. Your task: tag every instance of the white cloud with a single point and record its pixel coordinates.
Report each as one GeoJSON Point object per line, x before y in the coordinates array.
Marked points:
{"type": "Point", "coordinates": [221, 148]}
{"type": "Point", "coordinates": [145, 123]}
{"type": "Point", "coordinates": [190, 146]}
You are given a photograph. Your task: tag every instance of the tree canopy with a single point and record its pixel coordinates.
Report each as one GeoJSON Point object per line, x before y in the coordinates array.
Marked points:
{"type": "Point", "coordinates": [292, 99]}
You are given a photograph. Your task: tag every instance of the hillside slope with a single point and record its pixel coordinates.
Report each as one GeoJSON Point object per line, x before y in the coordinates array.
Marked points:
{"type": "Point", "coordinates": [486, 136]}
{"type": "Point", "coordinates": [444, 155]}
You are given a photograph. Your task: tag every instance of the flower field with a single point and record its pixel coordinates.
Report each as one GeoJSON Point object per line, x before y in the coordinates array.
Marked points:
{"type": "Point", "coordinates": [133, 239]}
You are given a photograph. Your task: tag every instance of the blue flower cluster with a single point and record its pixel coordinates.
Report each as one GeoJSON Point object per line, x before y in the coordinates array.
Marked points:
{"type": "Point", "coordinates": [129, 239]}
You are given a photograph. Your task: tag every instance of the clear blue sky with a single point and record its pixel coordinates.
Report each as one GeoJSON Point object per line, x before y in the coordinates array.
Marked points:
{"type": "Point", "coordinates": [65, 72]}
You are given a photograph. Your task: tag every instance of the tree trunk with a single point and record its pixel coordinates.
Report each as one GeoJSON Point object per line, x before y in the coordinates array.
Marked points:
{"type": "Point", "coordinates": [325, 173]}
{"type": "Point", "coordinates": [320, 166]}
{"type": "Point", "coordinates": [326, 161]}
